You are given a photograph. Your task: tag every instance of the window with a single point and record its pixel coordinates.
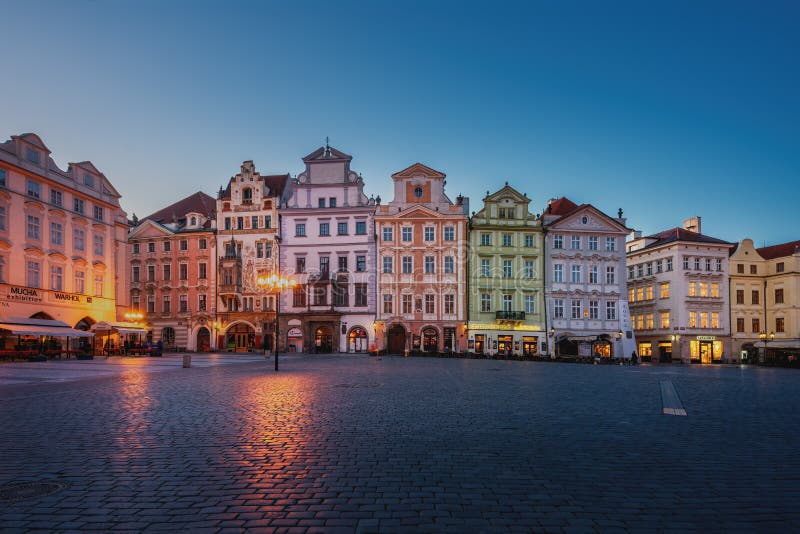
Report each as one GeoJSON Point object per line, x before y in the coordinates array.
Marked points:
{"type": "Point", "coordinates": [611, 244]}
{"type": "Point", "coordinates": [753, 269]}
{"type": "Point", "coordinates": [575, 274]}
{"type": "Point", "coordinates": [340, 294]}
{"type": "Point", "coordinates": [528, 269]}
{"type": "Point", "coordinates": [151, 304]}
{"type": "Point", "coordinates": [779, 296]}
{"type": "Point", "coordinates": [665, 319]}
{"type": "Point", "coordinates": [300, 265]}
{"type": "Point", "coordinates": [592, 242]}
{"type": "Point", "coordinates": [406, 301]}
{"type": "Point", "coordinates": [332, 202]}
{"type": "Point", "coordinates": [267, 221]}
{"type": "Point", "coordinates": [575, 242]}
{"type": "Point", "coordinates": [611, 310]}
{"type": "Point", "coordinates": [740, 324]}
{"type": "Point", "coordinates": [361, 294]}
{"type": "Point", "coordinates": [32, 274]}
{"type": "Point", "coordinates": [449, 304]}
{"type": "Point", "coordinates": [167, 246]}
{"type": "Point", "coordinates": [594, 309]}
{"type": "Point", "coordinates": [300, 230]}
{"type": "Point", "coordinates": [324, 265]}
{"type": "Point", "coordinates": [167, 271]}
{"type": "Point", "coordinates": [193, 221]}
{"type": "Point", "coordinates": [528, 241]}
{"type": "Point", "coordinates": [429, 265]}
{"type": "Point", "coordinates": [593, 274]}
{"type": "Point", "coordinates": [98, 285]}
{"type": "Point", "coordinates": [56, 234]}
{"type": "Point", "coordinates": [779, 267]}
{"type": "Point", "coordinates": [240, 223]}
{"type": "Point", "coordinates": [77, 205]}
{"type": "Point", "coordinates": [640, 293]}
{"type": "Point", "coordinates": [99, 245]}
{"type": "Point", "coordinates": [418, 192]}
{"type": "Point", "coordinates": [704, 320]}
{"type": "Point", "coordinates": [575, 309]}
{"type": "Point", "coordinates": [502, 213]}
{"type": "Point", "coordinates": [693, 290]}
{"type": "Point", "coordinates": [202, 244]}
{"type": "Point", "coordinates": [361, 228]}
{"type": "Point", "coordinates": [34, 189]}
{"type": "Point", "coordinates": [486, 302]}
{"type": "Point", "coordinates": [611, 275]}
{"type": "Point", "coordinates": [2, 218]}
{"type": "Point", "coordinates": [430, 233]}
{"type": "Point", "coordinates": [151, 273]}
{"type": "Point", "coordinates": [183, 244]}
{"type": "Point", "coordinates": [449, 265]}
{"type": "Point", "coordinates": [506, 240]}
{"type": "Point", "coordinates": [165, 304]}
{"type": "Point", "coordinates": [183, 303]}
{"type": "Point", "coordinates": [183, 271]}
{"type": "Point", "coordinates": [631, 295]}
{"type": "Point", "coordinates": [779, 325]}
{"type": "Point", "coordinates": [56, 278]}
{"type": "Point", "coordinates": [714, 319]}
{"type": "Point", "coordinates": [430, 305]}
{"type": "Point", "coordinates": [135, 247]}
{"type": "Point", "coordinates": [324, 229]}
{"type": "Point", "coordinates": [388, 234]}
{"type": "Point", "coordinates": [202, 271]}
{"type": "Point", "coordinates": [80, 282]}
{"type": "Point", "coordinates": [685, 263]}
{"type": "Point", "coordinates": [259, 249]}
{"type": "Point", "coordinates": [201, 302]}
{"type": "Point", "coordinates": [135, 273]}
{"type": "Point", "coordinates": [98, 213]}
{"type": "Point", "coordinates": [708, 264]}
{"type": "Point", "coordinates": [649, 268]}
{"type": "Point", "coordinates": [740, 296]}
{"type": "Point", "coordinates": [341, 228]}
{"type": "Point", "coordinates": [692, 319]}
{"type": "Point", "coordinates": [88, 180]}
{"type": "Point", "coordinates": [754, 296]}
{"type": "Point", "coordinates": [649, 292]}
{"type": "Point", "coordinates": [558, 241]}
{"type": "Point", "coordinates": [405, 233]}
{"type": "Point", "coordinates": [715, 290]}
{"type": "Point", "coordinates": [507, 268]}
{"type": "Point", "coordinates": [756, 324]}
{"type": "Point", "coordinates": [34, 227]}
{"type": "Point", "coordinates": [449, 233]}
{"type": "Point", "coordinates": [697, 264]}
{"type": "Point", "coordinates": [558, 308]}
{"type": "Point", "coordinates": [659, 265]}
{"type": "Point", "coordinates": [485, 263]}
{"type": "Point", "coordinates": [529, 302]}
{"type": "Point", "coordinates": [486, 240]}
{"type": "Point", "coordinates": [669, 264]}
{"type": "Point", "coordinates": [387, 264]}
{"type": "Point", "coordinates": [703, 289]}
{"type": "Point", "coordinates": [299, 296]}
{"type": "Point", "coordinates": [361, 264]}
{"type": "Point", "coordinates": [56, 197]}
{"type": "Point", "coordinates": [320, 295]}
{"type": "Point", "coordinates": [387, 304]}
{"type": "Point", "coordinates": [508, 300]}
{"type": "Point", "coordinates": [664, 290]}
{"type": "Point", "coordinates": [640, 270]}
{"type": "Point", "coordinates": [631, 272]}
{"type": "Point", "coordinates": [649, 321]}
{"type": "Point", "coordinates": [558, 272]}
{"type": "Point", "coordinates": [719, 266]}
{"type": "Point", "coordinates": [227, 223]}
{"type": "Point", "coordinates": [3, 176]}
{"type": "Point", "coordinates": [321, 203]}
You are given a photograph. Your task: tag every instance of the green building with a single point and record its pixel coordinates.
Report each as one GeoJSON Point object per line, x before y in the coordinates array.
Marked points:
{"type": "Point", "coordinates": [506, 283]}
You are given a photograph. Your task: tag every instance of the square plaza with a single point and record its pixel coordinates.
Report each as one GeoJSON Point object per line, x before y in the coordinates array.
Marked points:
{"type": "Point", "coordinates": [364, 444]}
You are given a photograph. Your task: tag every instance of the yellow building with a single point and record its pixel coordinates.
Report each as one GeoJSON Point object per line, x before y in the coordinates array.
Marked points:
{"type": "Point", "coordinates": [62, 237]}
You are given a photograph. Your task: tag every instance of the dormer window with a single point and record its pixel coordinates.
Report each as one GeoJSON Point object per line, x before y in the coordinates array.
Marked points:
{"type": "Point", "coordinates": [247, 196]}
{"type": "Point", "coordinates": [88, 180]}
{"type": "Point", "coordinates": [193, 221]}
{"type": "Point", "coordinates": [33, 156]}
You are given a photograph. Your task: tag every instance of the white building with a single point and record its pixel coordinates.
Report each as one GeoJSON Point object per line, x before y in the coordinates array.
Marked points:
{"type": "Point", "coordinates": [585, 281]}
{"type": "Point", "coordinates": [677, 288]}
{"type": "Point", "coordinates": [328, 246]}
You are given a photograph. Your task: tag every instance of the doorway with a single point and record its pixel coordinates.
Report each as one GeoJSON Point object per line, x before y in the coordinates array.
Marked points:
{"type": "Point", "coordinates": [396, 339]}
{"type": "Point", "coordinates": [430, 339]}
{"type": "Point", "coordinates": [480, 343]}
{"type": "Point", "coordinates": [529, 345]}
{"type": "Point", "coordinates": [357, 340]}
{"type": "Point", "coordinates": [504, 345]}
{"type": "Point", "coordinates": [323, 340]}
{"type": "Point", "coordinates": [203, 340]}
{"type": "Point", "coordinates": [240, 338]}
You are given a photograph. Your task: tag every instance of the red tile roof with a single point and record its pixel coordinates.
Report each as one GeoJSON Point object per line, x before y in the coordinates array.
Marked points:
{"type": "Point", "coordinates": [679, 234]}
{"type": "Point", "coordinates": [561, 206]}
{"type": "Point", "coordinates": [196, 203]}
{"type": "Point", "coordinates": [779, 251]}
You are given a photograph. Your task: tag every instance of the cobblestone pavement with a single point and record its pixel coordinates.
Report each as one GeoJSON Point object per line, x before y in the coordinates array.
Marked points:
{"type": "Point", "coordinates": [346, 443]}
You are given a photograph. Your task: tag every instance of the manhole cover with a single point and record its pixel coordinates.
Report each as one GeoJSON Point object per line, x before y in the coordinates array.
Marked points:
{"type": "Point", "coordinates": [19, 491]}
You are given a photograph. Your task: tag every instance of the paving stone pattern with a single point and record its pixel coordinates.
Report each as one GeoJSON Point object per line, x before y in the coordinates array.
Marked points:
{"type": "Point", "coordinates": [360, 444]}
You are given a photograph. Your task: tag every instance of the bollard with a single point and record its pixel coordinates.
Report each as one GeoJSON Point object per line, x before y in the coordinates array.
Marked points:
{"type": "Point", "coordinates": [187, 361]}
{"type": "Point", "coordinates": [405, 353]}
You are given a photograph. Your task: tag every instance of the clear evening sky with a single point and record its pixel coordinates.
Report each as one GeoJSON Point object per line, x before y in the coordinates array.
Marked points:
{"type": "Point", "coordinates": [665, 109]}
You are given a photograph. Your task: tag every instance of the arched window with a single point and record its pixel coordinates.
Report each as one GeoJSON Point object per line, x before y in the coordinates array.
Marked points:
{"type": "Point", "coordinates": [193, 221]}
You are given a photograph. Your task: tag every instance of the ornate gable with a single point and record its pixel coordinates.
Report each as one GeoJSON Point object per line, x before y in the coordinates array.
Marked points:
{"type": "Point", "coordinates": [149, 229]}
{"type": "Point", "coordinates": [590, 219]}
{"type": "Point", "coordinates": [417, 169]}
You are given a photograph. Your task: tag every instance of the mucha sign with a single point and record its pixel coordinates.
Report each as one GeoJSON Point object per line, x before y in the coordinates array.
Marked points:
{"type": "Point", "coordinates": [35, 294]}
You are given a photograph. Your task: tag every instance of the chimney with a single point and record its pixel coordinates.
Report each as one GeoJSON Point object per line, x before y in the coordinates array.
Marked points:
{"type": "Point", "coordinates": [693, 225]}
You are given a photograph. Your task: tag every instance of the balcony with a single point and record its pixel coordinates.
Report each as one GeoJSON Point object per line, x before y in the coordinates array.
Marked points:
{"type": "Point", "coordinates": [509, 315]}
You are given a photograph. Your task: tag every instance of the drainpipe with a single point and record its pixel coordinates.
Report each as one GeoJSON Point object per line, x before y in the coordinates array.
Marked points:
{"type": "Point", "coordinates": [550, 343]}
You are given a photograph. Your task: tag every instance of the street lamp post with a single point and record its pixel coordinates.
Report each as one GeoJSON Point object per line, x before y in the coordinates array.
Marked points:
{"type": "Point", "coordinates": [766, 338]}
{"type": "Point", "coordinates": [275, 283]}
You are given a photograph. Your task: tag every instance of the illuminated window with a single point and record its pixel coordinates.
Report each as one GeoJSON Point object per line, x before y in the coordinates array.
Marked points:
{"type": "Point", "coordinates": [692, 319]}
{"type": "Point", "coordinates": [692, 289]}
{"type": "Point", "coordinates": [640, 293]}
{"type": "Point", "coordinates": [649, 321]}
{"type": "Point", "coordinates": [664, 319]}
{"type": "Point", "coordinates": [714, 319]}
{"type": "Point", "coordinates": [715, 290]}
{"type": "Point", "coordinates": [631, 295]}
{"type": "Point", "coordinates": [703, 289]}
{"type": "Point", "coordinates": [703, 319]}
{"type": "Point", "coordinates": [649, 290]}
{"type": "Point", "coordinates": [664, 290]}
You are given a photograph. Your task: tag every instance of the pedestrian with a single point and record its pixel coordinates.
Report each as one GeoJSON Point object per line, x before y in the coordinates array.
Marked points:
{"type": "Point", "coordinates": [634, 358]}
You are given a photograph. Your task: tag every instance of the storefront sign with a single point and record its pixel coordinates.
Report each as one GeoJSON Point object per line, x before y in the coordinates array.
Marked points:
{"type": "Point", "coordinates": [706, 338]}
{"type": "Point", "coordinates": [24, 294]}
{"type": "Point", "coordinates": [35, 294]}
{"type": "Point", "coordinates": [294, 332]}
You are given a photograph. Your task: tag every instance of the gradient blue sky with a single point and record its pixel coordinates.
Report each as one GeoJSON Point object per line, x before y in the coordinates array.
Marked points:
{"type": "Point", "coordinates": [666, 109]}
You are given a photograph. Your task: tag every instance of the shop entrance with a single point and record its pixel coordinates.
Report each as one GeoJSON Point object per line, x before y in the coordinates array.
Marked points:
{"type": "Point", "coordinates": [430, 339]}
{"type": "Point", "coordinates": [529, 345]}
{"type": "Point", "coordinates": [357, 340]}
{"type": "Point", "coordinates": [480, 343]}
{"type": "Point", "coordinates": [240, 338]}
{"type": "Point", "coordinates": [665, 352]}
{"type": "Point", "coordinates": [203, 340]}
{"type": "Point", "coordinates": [505, 344]}
{"type": "Point", "coordinates": [396, 342]}
{"type": "Point", "coordinates": [323, 340]}
{"type": "Point", "coordinates": [705, 352]}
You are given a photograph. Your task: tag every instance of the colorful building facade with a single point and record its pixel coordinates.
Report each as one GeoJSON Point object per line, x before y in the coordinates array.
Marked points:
{"type": "Point", "coordinates": [585, 281]}
{"type": "Point", "coordinates": [506, 284]}
{"type": "Point", "coordinates": [62, 238]}
{"type": "Point", "coordinates": [328, 247]}
{"type": "Point", "coordinates": [172, 273]}
{"type": "Point", "coordinates": [422, 266]}
{"type": "Point", "coordinates": [248, 241]}
{"type": "Point", "coordinates": [678, 298]}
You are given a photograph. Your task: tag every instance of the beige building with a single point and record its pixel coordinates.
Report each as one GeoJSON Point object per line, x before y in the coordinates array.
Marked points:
{"type": "Point", "coordinates": [62, 238]}
{"type": "Point", "coordinates": [172, 272]}
{"type": "Point", "coordinates": [765, 302]}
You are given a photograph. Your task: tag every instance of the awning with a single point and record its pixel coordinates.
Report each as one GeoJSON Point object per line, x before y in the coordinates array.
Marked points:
{"type": "Point", "coordinates": [119, 327]}
{"type": "Point", "coordinates": [36, 330]}
{"type": "Point", "coordinates": [779, 344]}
